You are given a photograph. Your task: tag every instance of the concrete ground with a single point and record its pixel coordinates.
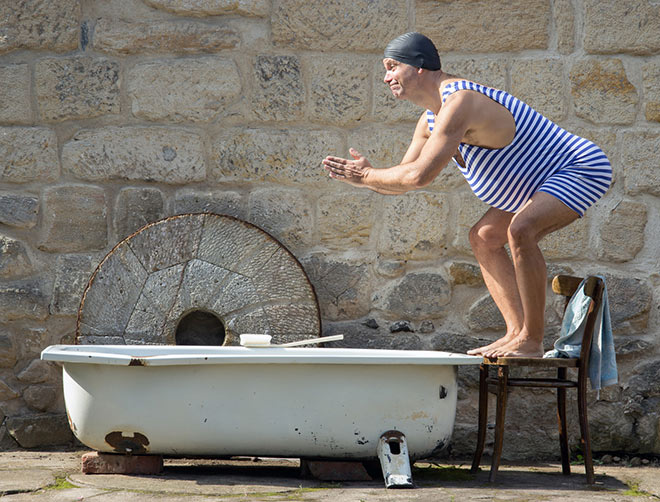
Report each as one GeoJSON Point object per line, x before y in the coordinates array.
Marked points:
{"type": "Point", "coordinates": [55, 476]}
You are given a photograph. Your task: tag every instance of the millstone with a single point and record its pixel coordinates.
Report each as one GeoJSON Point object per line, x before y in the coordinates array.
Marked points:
{"type": "Point", "coordinates": [197, 279]}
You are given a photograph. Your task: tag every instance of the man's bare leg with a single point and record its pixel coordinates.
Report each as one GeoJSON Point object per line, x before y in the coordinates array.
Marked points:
{"type": "Point", "coordinates": [488, 238]}
{"type": "Point", "coordinates": [542, 215]}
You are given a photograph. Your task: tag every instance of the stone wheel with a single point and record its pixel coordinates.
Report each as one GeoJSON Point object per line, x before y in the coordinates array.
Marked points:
{"type": "Point", "coordinates": [197, 279]}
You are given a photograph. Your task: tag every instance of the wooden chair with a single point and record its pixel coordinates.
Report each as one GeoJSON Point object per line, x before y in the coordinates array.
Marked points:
{"type": "Point", "coordinates": [566, 286]}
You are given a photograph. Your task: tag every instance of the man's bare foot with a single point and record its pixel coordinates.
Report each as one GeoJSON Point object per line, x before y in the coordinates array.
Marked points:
{"type": "Point", "coordinates": [492, 346]}
{"type": "Point", "coordinates": [521, 346]}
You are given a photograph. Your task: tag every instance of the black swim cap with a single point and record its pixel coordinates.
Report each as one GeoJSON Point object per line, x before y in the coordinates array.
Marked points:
{"type": "Point", "coordinates": [414, 49]}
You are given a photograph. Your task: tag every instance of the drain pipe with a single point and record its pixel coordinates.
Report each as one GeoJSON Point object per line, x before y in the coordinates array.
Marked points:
{"type": "Point", "coordinates": [394, 460]}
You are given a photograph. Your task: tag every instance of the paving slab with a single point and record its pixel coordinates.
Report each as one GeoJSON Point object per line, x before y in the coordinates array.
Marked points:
{"type": "Point", "coordinates": [56, 476]}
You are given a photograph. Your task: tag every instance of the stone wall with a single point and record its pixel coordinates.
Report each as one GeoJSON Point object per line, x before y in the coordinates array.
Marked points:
{"type": "Point", "coordinates": [115, 113]}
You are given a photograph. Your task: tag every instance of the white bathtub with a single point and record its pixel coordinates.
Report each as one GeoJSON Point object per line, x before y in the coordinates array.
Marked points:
{"type": "Point", "coordinates": [325, 403]}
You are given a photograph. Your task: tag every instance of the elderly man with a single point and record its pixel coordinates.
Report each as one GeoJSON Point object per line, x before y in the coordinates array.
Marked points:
{"type": "Point", "coordinates": [536, 177]}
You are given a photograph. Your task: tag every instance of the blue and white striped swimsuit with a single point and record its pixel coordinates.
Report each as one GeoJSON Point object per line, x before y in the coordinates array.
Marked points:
{"type": "Point", "coordinates": [542, 157]}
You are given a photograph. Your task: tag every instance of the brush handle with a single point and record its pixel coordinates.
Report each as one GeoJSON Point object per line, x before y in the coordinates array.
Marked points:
{"type": "Point", "coordinates": [312, 340]}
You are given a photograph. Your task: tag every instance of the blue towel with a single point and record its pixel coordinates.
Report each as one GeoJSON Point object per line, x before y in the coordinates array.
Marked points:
{"type": "Point", "coordinates": [602, 359]}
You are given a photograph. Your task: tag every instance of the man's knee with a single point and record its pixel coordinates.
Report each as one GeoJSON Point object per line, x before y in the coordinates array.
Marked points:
{"type": "Point", "coordinates": [521, 232]}
{"type": "Point", "coordinates": [486, 236]}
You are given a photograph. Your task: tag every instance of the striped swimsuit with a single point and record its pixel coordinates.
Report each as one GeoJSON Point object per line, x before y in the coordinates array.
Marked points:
{"type": "Point", "coordinates": [542, 157]}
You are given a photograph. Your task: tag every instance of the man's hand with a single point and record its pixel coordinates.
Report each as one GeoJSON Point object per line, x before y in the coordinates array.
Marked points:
{"type": "Point", "coordinates": [353, 171]}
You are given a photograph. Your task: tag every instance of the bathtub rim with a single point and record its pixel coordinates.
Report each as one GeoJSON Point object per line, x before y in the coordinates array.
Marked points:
{"type": "Point", "coordinates": [176, 355]}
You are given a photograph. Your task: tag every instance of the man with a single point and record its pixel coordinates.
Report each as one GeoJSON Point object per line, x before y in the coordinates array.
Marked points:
{"type": "Point", "coordinates": [536, 177]}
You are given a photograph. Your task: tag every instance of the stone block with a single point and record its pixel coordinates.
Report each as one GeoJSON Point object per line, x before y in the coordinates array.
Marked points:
{"type": "Point", "coordinates": [28, 154]}
{"type": "Point", "coordinates": [540, 84]}
{"type": "Point", "coordinates": [487, 71]}
{"type": "Point", "coordinates": [602, 92]}
{"type": "Point", "coordinates": [345, 219]}
{"type": "Point", "coordinates": [183, 90]}
{"type": "Point", "coordinates": [76, 87]}
{"type": "Point", "coordinates": [6, 392]}
{"type": "Point", "coordinates": [417, 296]}
{"type": "Point", "coordinates": [30, 341]}
{"type": "Point", "coordinates": [219, 202]}
{"type": "Point", "coordinates": [7, 351]}
{"type": "Point", "coordinates": [614, 27]}
{"type": "Point", "coordinates": [135, 153]}
{"type": "Point", "coordinates": [72, 272]}
{"type": "Point", "coordinates": [622, 232]}
{"type": "Point", "coordinates": [40, 397]}
{"type": "Point", "coordinates": [391, 268]}
{"type": "Point", "coordinates": [279, 90]}
{"type": "Point", "coordinates": [384, 146]}
{"type": "Point", "coordinates": [650, 78]}
{"type": "Point", "coordinates": [112, 463]}
{"type": "Point", "coordinates": [205, 8]}
{"type": "Point", "coordinates": [640, 158]}
{"type": "Point", "coordinates": [7, 443]}
{"type": "Point", "coordinates": [387, 108]}
{"type": "Point", "coordinates": [568, 242]}
{"type": "Point", "coordinates": [135, 207]}
{"type": "Point", "coordinates": [414, 226]}
{"type": "Point", "coordinates": [17, 210]}
{"type": "Point", "coordinates": [37, 371]}
{"type": "Point", "coordinates": [469, 212]}
{"type": "Point", "coordinates": [40, 25]}
{"type": "Point", "coordinates": [630, 302]}
{"type": "Point", "coordinates": [564, 14]}
{"type": "Point", "coordinates": [162, 37]}
{"type": "Point", "coordinates": [342, 287]}
{"type": "Point", "coordinates": [24, 299]}
{"type": "Point", "coordinates": [284, 214]}
{"type": "Point", "coordinates": [31, 431]}
{"type": "Point", "coordinates": [484, 315]}
{"type": "Point", "coordinates": [612, 428]}
{"type": "Point", "coordinates": [458, 26]}
{"type": "Point", "coordinates": [284, 156]}
{"type": "Point", "coordinates": [74, 219]}
{"type": "Point", "coordinates": [357, 335]}
{"type": "Point", "coordinates": [14, 258]}
{"type": "Point", "coordinates": [15, 104]}
{"type": "Point", "coordinates": [465, 273]}
{"type": "Point", "coordinates": [338, 94]}
{"type": "Point", "coordinates": [298, 24]}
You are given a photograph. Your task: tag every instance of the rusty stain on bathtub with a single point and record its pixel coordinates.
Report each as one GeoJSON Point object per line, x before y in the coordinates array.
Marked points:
{"type": "Point", "coordinates": [71, 424]}
{"type": "Point", "coordinates": [137, 361]}
{"type": "Point", "coordinates": [135, 444]}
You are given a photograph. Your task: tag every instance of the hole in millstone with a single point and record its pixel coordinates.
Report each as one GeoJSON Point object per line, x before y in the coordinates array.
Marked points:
{"type": "Point", "coordinates": [200, 328]}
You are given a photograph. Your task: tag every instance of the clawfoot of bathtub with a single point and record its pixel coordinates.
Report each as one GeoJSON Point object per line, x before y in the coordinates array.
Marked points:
{"type": "Point", "coordinates": [394, 460]}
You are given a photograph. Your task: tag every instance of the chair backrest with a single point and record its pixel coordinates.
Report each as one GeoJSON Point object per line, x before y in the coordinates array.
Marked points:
{"type": "Point", "coordinates": [566, 286]}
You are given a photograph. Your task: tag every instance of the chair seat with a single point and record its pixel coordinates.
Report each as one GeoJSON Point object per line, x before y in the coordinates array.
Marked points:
{"type": "Point", "coordinates": [534, 362]}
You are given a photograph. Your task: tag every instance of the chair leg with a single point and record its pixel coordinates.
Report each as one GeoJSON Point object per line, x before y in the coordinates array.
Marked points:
{"type": "Point", "coordinates": [502, 389]}
{"type": "Point", "coordinates": [483, 417]}
{"type": "Point", "coordinates": [561, 421]}
{"type": "Point", "coordinates": [584, 430]}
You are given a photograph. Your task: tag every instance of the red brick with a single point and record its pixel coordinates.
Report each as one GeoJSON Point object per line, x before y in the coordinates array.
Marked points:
{"type": "Point", "coordinates": [113, 463]}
